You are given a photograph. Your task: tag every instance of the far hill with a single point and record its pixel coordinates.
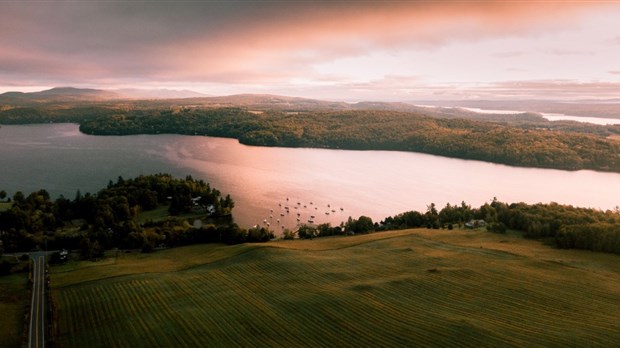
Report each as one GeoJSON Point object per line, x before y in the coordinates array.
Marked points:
{"type": "Point", "coordinates": [525, 110]}
{"type": "Point", "coordinates": [65, 94]}
{"type": "Point", "coordinates": [135, 93]}
{"type": "Point", "coordinates": [158, 98]}
{"type": "Point", "coordinates": [272, 102]}
{"type": "Point", "coordinates": [72, 94]}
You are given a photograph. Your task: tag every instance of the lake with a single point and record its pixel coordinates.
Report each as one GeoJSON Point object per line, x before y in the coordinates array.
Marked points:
{"type": "Point", "coordinates": [549, 116]}
{"type": "Point", "coordinates": [378, 184]}
{"type": "Point", "coordinates": [596, 120]}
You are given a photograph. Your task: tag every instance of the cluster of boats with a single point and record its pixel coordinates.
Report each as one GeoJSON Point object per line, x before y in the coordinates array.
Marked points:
{"type": "Point", "coordinates": [286, 211]}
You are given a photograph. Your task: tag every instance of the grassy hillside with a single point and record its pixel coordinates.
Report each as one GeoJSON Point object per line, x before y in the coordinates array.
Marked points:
{"type": "Point", "coordinates": [406, 288]}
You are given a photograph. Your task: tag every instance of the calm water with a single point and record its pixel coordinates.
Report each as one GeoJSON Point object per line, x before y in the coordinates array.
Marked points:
{"type": "Point", "coordinates": [549, 116]}
{"type": "Point", "coordinates": [374, 183]}
{"type": "Point", "coordinates": [554, 117]}
{"type": "Point", "coordinates": [595, 120]}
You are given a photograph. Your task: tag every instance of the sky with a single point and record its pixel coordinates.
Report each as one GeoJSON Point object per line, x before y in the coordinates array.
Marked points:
{"type": "Point", "coordinates": [339, 50]}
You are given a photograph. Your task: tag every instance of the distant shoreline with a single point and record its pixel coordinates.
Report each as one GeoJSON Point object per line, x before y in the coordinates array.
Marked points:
{"type": "Point", "coordinates": [522, 140]}
{"type": "Point", "coordinates": [533, 146]}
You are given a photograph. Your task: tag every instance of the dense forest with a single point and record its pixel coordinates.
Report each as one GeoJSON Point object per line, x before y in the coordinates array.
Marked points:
{"type": "Point", "coordinates": [107, 219]}
{"type": "Point", "coordinates": [531, 143]}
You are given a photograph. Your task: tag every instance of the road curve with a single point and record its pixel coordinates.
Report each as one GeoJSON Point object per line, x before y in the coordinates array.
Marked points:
{"type": "Point", "coordinates": [36, 335]}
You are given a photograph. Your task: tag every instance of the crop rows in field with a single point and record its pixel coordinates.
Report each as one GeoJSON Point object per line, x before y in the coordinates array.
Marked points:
{"type": "Point", "coordinates": [375, 294]}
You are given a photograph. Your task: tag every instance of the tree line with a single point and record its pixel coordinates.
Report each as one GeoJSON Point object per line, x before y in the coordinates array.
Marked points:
{"type": "Point", "coordinates": [565, 226]}
{"type": "Point", "coordinates": [93, 223]}
{"type": "Point", "coordinates": [107, 219]}
{"type": "Point", "coordinates": [379, 130]}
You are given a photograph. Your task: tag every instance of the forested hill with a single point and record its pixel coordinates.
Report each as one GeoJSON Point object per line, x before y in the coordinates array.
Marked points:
{"type": "Point", "coordinates": [379, 130]}
{"type": "Point", "coordinates": [519, 140]}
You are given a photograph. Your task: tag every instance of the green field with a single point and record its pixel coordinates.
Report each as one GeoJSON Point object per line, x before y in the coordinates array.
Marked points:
{"type": "Point", "coordinates": [5, 206]}
{"type": "Point", "coordinates": [13, 301]}
{"type": "Point", "coordinates": [405, 288]}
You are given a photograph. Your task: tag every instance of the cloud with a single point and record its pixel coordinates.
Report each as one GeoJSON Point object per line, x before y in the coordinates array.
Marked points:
{"type": "Point", "coordinates": [509, 54]}
{"type": "Point", "coordinates": [614, 72]}
{"type": "Point", "coordinates": [411, 88]}
{"type": "Point", "coordinates": [504, 90]}
{"type": "Point", "coordinates": [241, 42]}
{"type": "Point", "coordinates": [550, 89]}
{"type": "Point", "coordinates": [568, 52]}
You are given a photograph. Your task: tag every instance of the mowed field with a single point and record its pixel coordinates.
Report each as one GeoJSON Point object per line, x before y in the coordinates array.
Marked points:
{"type": "Point", "coordinates": [405, 288]}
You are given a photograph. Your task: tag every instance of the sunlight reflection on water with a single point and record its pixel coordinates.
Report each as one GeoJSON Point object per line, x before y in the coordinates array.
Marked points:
{"type": "Point", "coordinates": [372, 183]}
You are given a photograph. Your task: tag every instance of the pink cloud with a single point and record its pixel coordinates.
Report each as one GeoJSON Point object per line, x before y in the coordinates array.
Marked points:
{"type": "Point", "coordinates": [244, 42]}
{"type": "Point", "coordinates": [282, 45]}
{"type": "Point", "coordinates": [552, 89]}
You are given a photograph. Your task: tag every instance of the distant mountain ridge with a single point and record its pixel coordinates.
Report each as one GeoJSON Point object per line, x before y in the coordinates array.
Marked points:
{"type": "Point", "coordinates": [530, 109]}
{"type": "Point", "coordinates": [260, 101]}
{"type": "Point", "coordinates": [60, 93]}
{"type": "Point", "coordinates": [253, 102]}
{"type": "Point", "coordinates": [72, 94]}
{"type": "Point", "coordinates": [136, 93]}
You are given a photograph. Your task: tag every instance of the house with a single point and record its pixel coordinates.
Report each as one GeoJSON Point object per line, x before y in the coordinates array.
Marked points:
{"type": "Point", "coordinates": [196, 200]}
{"type": "Point", "coordinates": [475, 223]}
{"type": "Point", "coordinates": [210, 209]}
{"type": "Point", "coordinates": [64, 254]}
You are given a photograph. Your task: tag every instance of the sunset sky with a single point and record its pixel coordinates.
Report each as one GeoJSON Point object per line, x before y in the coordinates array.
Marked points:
{"type": "Point", "coordinates": [346, 50]}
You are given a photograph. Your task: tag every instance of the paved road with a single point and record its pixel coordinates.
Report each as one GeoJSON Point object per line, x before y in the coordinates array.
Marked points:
{"type": "Point", "coordinates": [37, 309]}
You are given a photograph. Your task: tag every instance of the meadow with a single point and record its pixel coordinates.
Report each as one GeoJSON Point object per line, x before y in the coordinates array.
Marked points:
{"type": "Point", "coordinates": [404, 288]}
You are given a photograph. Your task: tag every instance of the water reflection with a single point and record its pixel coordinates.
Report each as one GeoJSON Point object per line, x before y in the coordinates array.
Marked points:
{"type": "Point", "coordinates": [583, 119]}
{"type": "Point", "coordinates": [378, 183]}
{"type": "Point", "coordinates": [372, 183]}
